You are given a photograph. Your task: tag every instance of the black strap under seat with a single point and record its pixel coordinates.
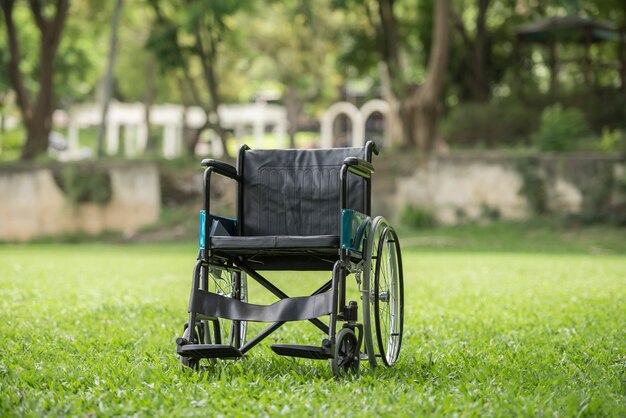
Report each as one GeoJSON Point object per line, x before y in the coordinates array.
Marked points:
{"type": "Point", "coordinates": [289, 309]}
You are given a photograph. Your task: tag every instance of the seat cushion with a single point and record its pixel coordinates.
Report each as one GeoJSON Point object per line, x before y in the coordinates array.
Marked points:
{"type": "Point", "coordinates": [282, 242]}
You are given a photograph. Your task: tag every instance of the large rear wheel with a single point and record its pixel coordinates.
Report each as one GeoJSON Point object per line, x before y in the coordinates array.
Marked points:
{"type": "Point", "coordinates": [389, 297]}
{"type": "Point", "coordinates": [382, 294]}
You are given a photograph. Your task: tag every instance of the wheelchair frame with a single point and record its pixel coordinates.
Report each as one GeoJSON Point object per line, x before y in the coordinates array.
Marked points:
{"type": "Point", "coordinates": [365, 245]}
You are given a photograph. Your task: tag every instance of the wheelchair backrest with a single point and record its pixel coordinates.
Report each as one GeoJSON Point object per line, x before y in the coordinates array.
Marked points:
{"type": "Point", "coordinates": [296, 192]}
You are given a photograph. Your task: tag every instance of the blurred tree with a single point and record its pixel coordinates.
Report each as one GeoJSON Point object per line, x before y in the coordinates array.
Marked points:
{"type": "Point", "coordinates": [108, 77]}
{"type": "Point", "coordinates": [483, 55]}
{"type": "Point", "coordinates": [613, 11]}
{"type": "Point", "coordinates": [476, 51]}
{"type": "Point", "coordinates": [418, 104]}
{"type": "Point", "coordinates": [413, 85]}
{"type": "Point", "coordinates": [298, 39]}
{"type": "Point", "coordinates": [5, 83]}
{"type": "Point", "coordinates": [37, 115]}
{"type": "Point", "coordinates": [82, 51]}
{"type": "Point", "coordinates": [191, 32]}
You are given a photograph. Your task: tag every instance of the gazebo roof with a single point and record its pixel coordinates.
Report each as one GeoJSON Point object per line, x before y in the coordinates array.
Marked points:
{"type": "Point", "coordinates": [568, 29]}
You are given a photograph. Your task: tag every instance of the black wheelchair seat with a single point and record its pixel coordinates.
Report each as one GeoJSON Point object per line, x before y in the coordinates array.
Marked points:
{"type": "Point", "coordinates": [280, 243]}
{"type": "Point", "coordinates": [280, 252]}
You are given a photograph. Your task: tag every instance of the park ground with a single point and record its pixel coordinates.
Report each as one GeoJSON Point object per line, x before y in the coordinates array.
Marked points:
{"type": "Point", "coordinates": [507, 319]}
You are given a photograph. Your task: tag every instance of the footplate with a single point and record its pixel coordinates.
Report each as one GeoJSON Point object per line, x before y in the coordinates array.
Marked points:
{"type": "Point", "coordinates": [198, 351]}
{"type": "Point", "coordinates": [302, 351]}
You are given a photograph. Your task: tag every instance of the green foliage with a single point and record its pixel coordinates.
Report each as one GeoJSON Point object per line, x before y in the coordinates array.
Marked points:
{"type": "Point", "coordinates": [489, 213]}
{"type": "Point", "coordinates": [560, 129]}
{"type": "Point", "coordinates": [83, 184]}
{"type": "Point", "coordinates": [163, 42]}
{"type": "Point", "coordinates": [602, 202]}
{"type": "Point", "coordinates": [612, 140]}
{"type": "Point", "coordinates": [417, 217]}
{"type": "Point", "coordinates": [313, 49]}
{"type": "Point", "coordinates": [494, 124]}
{"type": "Point", "coordinates": [11, 142]}
{"type": "Point", "coordinates": [80, 56]}
{"type": "Point", "coordinates": [80, 60]}
{"type": "Point", "coordinates": [485, 335]}
{"type": "Point", "coordinates": [533, 186]}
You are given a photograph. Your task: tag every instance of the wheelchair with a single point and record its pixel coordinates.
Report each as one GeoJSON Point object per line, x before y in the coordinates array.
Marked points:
{"type": "Point", "coordinates": [297, 210]}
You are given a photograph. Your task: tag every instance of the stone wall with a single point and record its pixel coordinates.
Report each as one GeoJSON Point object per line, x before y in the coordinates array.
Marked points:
{"type": "Point", "coordinates": [32, 203]}
{"type": "Point", "coordinates": [456, 188]}
{"type": "Point", "coordinates": [472, 186]}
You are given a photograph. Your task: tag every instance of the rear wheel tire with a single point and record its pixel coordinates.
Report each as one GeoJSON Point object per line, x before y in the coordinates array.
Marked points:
{"type": "Point", "coordinates": [382, 294]}
{"type": "Point", "coordinates": [389, 297]}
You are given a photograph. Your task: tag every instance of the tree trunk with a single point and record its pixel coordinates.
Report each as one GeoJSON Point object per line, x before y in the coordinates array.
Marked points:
{"type": "Point", "coordinates": [390, 45]}
{"type": "Point", "coordinates": [426, 100]}
{"type": "Point", "coordinates": [208, 60]}
{"type": "Point", "coordinates": [395, 87]}
{"type": "Point", "coordinates": [294, 107]}
{"type": "Point", "coordinates": [475, 80]}
{"type": "Point", "coordinates": [395, 123]}
{"type": "Point", "coordinates": [37, 115]}
{"type": "Point", "coordinates": [622, 49]}
{"type": "Point", "coordinates": [36, 139]}
{"type": "Point", "coordinates": [479, 54]}
{"type": "Point", "coordinates": [108, 78]}
{"type": "Point", "coordinates": [418, 107]}
{"type": "Point", "coordinates": [148, 99]}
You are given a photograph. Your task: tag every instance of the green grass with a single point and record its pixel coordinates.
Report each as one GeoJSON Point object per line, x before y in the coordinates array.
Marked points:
{"type": "Point", "coordinates": [89, 330]}
{"type": "Point", "coordinates": [548, 235]}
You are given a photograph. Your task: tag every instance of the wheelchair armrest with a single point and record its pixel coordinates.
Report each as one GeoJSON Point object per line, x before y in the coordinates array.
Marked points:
{"type": "Point", "coordinates": [359, 167]}
{"type": "Point", "coordinates": [222, 168]}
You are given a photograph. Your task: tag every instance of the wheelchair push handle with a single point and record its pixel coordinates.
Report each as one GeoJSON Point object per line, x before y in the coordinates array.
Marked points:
{"type": "Point", "coordinates": [221, 167]}
{"type": "Point", "coordinates": [359, 167]}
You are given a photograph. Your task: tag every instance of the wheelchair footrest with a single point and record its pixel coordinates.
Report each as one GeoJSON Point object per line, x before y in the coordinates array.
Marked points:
{"type": "Point", "coordinates": [302, 351]}
{"type": "Point", "coordinates": [198, 351]}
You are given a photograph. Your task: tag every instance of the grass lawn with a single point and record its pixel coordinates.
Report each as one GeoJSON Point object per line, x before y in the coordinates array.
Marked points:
{"type": "Point", "coordinates": [89, 330]}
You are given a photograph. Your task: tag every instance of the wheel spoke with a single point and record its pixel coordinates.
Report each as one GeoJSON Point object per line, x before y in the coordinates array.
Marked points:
{"type": "Point", "coordinates": [222, 282]}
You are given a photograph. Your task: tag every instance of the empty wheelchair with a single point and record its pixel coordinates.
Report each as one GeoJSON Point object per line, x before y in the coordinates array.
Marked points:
{"type": "Point", "coordinates": [297, 210]}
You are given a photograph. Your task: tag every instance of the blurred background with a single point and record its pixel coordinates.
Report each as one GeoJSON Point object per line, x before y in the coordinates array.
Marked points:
{"type": "Point", "coordinates": [487, 111]}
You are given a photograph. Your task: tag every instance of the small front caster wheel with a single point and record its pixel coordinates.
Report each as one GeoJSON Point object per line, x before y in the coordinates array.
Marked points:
{"type": "Point", "coordinates": [346, 356]}
{"type": "Point", "coordinates": [187, 362]}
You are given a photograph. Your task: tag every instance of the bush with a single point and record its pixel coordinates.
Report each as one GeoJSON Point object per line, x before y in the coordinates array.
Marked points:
{"type": "Point", "coordinates": [417, 217]}
{"type": "Point", "coordinates": [84, 184]}
{"type": "Point", "coordinates": [560, 129]}
{"type": "Point", "coordinates": [612, 141]}
{"type": "Point", "coordinates": [11, 143]}
{"type": "Point", "coordinates": [497, 123]}
{"type": "Point", "coordinates": [533, 186]}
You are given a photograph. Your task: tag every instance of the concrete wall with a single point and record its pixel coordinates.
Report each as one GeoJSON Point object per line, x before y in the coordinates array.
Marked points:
{"type": "Point", "coordinates": [456, 188]}
{"type": "Point", "coordinates": [473, 186]}
{"type": "Point", "coordinates": [33, 205]}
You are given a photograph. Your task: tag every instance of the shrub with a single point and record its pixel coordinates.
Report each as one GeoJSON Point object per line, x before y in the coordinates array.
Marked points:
{"type": "Point", "coordinates": [560, 129]}
{"type": "Point", "coordinates": [498, 123]}
{"type": "Point", "coordinates": [533, 186]}
{"type": "Point", "coordinates": [11, 143]}
{"type": "Point", "coordinates": [611, 141]}
{"type": "Point", "coordinates": [84, 184]}
{"type": "Point", "coordinates": [417, 217]}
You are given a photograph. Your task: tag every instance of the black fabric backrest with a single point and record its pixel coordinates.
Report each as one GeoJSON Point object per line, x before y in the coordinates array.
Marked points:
{"type": "Point", "coordinates": [296, 192]}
